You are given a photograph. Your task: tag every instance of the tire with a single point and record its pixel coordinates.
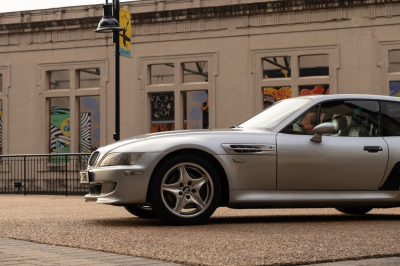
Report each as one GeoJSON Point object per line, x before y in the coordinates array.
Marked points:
{"type": "Point", "coordinates": [185, 190]}
{"type": "Point", "coordinates": [142, 211]}
{"type": "Point", "coordinates": [354, 210]}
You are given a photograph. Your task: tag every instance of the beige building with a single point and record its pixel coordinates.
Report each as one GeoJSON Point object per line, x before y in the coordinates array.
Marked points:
{"type": "Point", "coordinates": [195, 64]}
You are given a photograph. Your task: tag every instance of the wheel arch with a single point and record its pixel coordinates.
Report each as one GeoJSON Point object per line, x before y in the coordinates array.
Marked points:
{"type": "Point", "coordinates": [211, 159]}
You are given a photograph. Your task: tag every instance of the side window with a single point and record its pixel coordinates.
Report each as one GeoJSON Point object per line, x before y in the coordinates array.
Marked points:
{"type": "Point", "coordinates": [352, 118]}
{"type": "Point", "coordinates": [304, 124]}
{"type": "Point", "coordinates": [390, 119]}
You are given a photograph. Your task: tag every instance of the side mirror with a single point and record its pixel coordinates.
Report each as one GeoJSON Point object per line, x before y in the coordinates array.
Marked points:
{"type": "Point", "coordinates": [325, 128]}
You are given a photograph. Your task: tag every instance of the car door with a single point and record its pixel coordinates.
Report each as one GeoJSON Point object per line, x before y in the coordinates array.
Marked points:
{"type": "Point", "coordinates": [352, 157]}
{"type": "Point", "coordinates": [391, 134]}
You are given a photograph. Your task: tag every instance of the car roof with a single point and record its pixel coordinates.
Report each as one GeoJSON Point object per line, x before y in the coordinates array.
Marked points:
{"type": "Point", "coordinates": [351, 96]}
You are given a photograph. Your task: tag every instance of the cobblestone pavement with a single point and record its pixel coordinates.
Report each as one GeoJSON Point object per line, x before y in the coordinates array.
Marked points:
{"type": "Point", "coordinates": [229, 237]}
{"type": "Point", "coordinates": [20, 253]}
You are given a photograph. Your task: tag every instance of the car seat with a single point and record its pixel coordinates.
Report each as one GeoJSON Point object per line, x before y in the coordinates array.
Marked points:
{"type": "Point", "coordinates": [358, 126]}
{"type": "Point", "coordinates": [339, 124]}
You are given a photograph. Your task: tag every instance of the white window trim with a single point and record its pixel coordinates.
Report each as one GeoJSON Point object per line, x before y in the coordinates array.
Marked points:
{"type": "Point", "coordinates": [294, 81]}
{"type": "Point", "coordinates": [5, 71]}
{"type": "Point", "coordinates": [178, 87]}
{"type": "Point", "coordinates": [72, 94]}
{"type": "Point", "coordinates": [383, 62]}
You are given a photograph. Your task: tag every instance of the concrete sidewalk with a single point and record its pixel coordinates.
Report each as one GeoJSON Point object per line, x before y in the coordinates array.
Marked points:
{"type": "Point", "coordinates": [21, 253]}
{"type": "Point", "coordinates": [17, 252]}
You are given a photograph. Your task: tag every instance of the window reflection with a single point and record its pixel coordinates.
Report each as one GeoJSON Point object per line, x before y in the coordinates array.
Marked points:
{"type": "Point", "coordinates": [314, 65]}
{"type": "Point", "coordinates": [89, 78]}
{"type": "Point", "coordinates": [276, 67]}
{"type": "Point", "coordinates": [195, 72]}
{"type": "Point", "coordinates": [58, 80]}
{"type": "Point", "coordinates": [162, 74]}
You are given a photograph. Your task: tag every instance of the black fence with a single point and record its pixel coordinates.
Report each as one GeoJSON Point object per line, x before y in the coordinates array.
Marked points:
{"type": "Point", "coordinates": [48, 174]}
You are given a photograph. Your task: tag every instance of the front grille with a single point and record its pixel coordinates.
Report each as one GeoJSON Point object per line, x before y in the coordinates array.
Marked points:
{"type": "Point", "coordinates": [95, 188]}
{"type": "Point", "coordinates": [246, 149]}
{"type": "Point", "coordinates": [94, 158]}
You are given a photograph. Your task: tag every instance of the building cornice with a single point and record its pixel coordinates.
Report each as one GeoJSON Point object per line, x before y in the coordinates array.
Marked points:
{"type": "Point", "coordinates": [88, 22]}
{"type": "Point", "coordinates": [196, 13]}
{"type": "Point", "coordinates": [257, 8]}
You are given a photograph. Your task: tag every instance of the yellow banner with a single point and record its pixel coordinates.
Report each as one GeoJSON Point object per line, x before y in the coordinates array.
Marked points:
{"type": "Point", "coordinates": [126, 33]}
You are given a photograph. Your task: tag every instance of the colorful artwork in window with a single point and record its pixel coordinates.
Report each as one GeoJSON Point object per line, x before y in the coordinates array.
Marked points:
{"type": "Point", "coordinates": [395, 88]}
{"type": "Point", "coordinates": [317, 89]}
{"type": "Point", "coordinates": [162, 111]}
{"type": "Point", "coordinates": [60, 128]}
{"type": "Point", "coordinates": [196, 111]}
{"type": "Point", "coordinates": [275, 94]}
{"type": "Point", "coordinates": [89, 109]}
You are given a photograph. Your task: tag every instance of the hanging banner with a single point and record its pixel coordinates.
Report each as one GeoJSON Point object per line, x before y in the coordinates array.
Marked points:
{"type": "Point", "coordinates": [125, 33]}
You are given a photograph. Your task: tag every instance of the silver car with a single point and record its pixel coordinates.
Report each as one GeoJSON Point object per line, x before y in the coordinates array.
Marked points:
{"type": "Point", "coordinates": [325, 151]}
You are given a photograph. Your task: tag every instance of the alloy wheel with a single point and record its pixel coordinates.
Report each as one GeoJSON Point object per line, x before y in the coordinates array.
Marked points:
{"type": "Point", "coordinates": [187, 190]}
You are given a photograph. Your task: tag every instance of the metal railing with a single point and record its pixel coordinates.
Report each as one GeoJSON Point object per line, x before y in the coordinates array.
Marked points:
{"type": "Point", "coordinates": [48, 174]}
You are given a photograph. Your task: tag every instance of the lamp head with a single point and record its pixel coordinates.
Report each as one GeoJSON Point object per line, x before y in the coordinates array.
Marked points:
{"type": "Point", "coordinates": [108, 23]}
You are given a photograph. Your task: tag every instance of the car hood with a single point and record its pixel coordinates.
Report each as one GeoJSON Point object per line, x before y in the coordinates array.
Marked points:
{"type": "Point", "coordinates": [209, 140]}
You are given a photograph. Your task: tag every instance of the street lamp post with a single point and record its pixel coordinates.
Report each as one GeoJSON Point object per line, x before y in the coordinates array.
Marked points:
{"type": "Point", "coordinates": [110, 23]}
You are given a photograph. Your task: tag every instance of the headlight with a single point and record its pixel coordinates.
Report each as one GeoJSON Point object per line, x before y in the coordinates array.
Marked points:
{"type": "Point", "coordinates": [128, 158]}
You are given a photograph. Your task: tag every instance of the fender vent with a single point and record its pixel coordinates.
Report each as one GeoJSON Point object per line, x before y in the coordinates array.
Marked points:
{"type": "Point", "coordinates": [249, 149]}
{"type": "Point", "coordinates": [245, 149]}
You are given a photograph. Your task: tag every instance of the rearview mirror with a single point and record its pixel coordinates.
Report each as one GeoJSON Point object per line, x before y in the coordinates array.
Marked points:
{"type": "Point", "coordinates": [325, 128]}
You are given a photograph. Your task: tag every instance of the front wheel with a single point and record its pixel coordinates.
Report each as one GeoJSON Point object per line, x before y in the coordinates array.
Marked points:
{"type": "Point", "coordinates": [354, 210]}
{"type": "Point", "coordinates": [142, 211]}
{"type": "Point", "coordinates": [185, 190]}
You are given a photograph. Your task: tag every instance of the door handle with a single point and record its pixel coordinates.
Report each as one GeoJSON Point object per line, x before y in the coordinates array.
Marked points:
{"type": "Point", "coordinates": [372, 149]}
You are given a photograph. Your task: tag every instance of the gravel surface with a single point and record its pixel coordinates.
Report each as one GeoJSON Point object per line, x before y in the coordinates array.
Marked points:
{"type": "Point", "coordinates": [229, 237]}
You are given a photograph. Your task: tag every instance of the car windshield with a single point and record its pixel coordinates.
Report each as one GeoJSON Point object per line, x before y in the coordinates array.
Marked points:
{"type": "Point", "coordinates": [275, 114]}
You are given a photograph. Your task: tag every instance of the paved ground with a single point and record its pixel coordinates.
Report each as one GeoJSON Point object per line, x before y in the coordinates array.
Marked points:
{"type": "Point", "coordinates": [395, 261]}
{"type": "Point", "coordinates": [230, 237]}
{"type": "Point", "coordinates": [20, 253]}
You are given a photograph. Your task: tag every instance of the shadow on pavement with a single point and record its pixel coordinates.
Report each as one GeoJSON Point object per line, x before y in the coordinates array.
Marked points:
{"type": "Point", "coordinates": [135, 221]}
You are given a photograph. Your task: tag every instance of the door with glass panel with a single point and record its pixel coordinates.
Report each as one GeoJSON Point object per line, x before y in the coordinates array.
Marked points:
{"type": "Point", "coordinates": [352, 157]}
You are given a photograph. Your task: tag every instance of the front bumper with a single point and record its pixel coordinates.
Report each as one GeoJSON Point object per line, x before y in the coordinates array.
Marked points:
{"type": "Point", "coordinates": [122, 185]}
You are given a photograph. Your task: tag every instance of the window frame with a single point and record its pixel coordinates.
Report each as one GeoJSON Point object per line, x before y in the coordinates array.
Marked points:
{"type": "Point", "coordinates": [295, 80]}
{"type": "Point", "coordinates": [73, 93]}
{"type": "Point", "coordinates": [5, 71]}
{"type": "Point", "coordinates": [179, 86]}
{"type": "Point", "coordinates": [386, 77]}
